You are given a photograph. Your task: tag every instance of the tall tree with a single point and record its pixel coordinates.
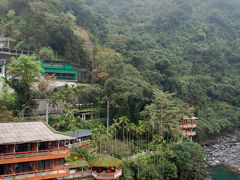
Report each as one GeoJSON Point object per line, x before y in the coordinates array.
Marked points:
{"type": "Point", "coordinates": [24, 73]}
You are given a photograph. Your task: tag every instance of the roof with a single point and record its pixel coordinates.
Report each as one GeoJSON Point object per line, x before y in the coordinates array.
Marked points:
{"type": "Point", "coordinates": [3, 38]}
{"type": "Point", "coordinates": [24, 132]}
{"type": "Point", "coordinates": [105, 161]}
{"type": "Point", "coordinates": [79, 133]}
{"type": "Point", "coordinates": [78, 163]}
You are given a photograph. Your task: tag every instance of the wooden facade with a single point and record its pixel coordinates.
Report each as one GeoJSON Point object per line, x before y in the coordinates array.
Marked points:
{"type": "Point", "coordinates": [26, 161]}
{"type": "Point", "coordinates": [31, 151]}
{"type": "Point", "coordinates": [188, 126]}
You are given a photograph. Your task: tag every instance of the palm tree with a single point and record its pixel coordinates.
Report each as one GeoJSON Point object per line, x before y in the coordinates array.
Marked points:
{"type": "Point", "coordinates": [139, 132]}
{"type": "Point", "coordinates": [132, 127]}
{"type": "Point", "coordinates": [123, 121]}
{"type": "Point", "coordinates": [128, 128]}
{"type": "Point", "coordinates": [114, 128]}
{"type": "Point", "coordinates": [147, 129]}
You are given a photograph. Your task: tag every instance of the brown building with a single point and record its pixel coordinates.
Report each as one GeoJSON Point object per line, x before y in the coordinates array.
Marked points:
{"type": "Point", "coordinates": [31, 151]}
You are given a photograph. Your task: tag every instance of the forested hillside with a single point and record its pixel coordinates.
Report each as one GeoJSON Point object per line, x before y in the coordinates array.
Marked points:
{"type": "Point", "coordinates": [190, 48]}
{"type": "Point", "coordinates": [186, 47]}
{"type": "Point", "coordinates": [154, 61]}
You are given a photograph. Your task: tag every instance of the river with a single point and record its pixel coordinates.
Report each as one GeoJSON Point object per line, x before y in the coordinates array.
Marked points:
{"type": "Point", "coordinates": [223, 173]}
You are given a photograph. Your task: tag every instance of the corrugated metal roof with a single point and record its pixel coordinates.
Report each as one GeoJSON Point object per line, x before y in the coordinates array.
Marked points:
{"type": "Point", "coordinates": [79, 133]}
{"type": "Point", "coordinates": [23, 132]}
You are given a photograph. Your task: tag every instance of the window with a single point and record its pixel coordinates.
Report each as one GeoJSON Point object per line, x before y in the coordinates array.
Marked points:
{"type": "Point", "coordinates": [59, 162]}
{"type": "Point", "coordinates": [5, 169]}
{"type": "Point", "coordinates": [44, 165]}
{"type": "Point", "coordinates": [45, 145]}
{"type": "Point", "coordinates": [4, 149]}
{"type": "Point", "coordinates": [62, 143]}
{"type": "Point", "coordinates": [23, 147]}
{"type": "Point", "coordinates": [42, 146]}
{"type": "Point", "coordinates": [23, 167]}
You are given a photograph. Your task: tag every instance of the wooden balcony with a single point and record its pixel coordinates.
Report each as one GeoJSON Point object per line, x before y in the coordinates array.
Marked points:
{"type": "Point", "coordinates": [27, 156]}
{"type": "Point", "coordinates": [82, 174]}
{"type": "Point", "coordinates": [103, 176]}
{"type": "Point", "coordinates": [38, 174]}
{"type": "Point", "coordinates": [189, 133]}
{"type": "Point", "coordinates": [99, 176]}
{"type": "Point", "coordinates": [189, 126]}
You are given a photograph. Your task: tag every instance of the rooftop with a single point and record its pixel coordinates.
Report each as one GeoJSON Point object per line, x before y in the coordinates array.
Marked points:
{"type": "Point", "coordinates": [105, 161]}
{"type": "Point", "coordinates": [79, 133]}
{"type": "Point", "coordinates": [24, 132]}
{"type": "Point", "coordinates": [4, 38]}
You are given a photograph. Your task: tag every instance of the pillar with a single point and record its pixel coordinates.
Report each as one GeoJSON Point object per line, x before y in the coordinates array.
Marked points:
{"type": "Point", "coordinates": [34, 146]}
{"type": "Point", "coordinates": [34, 165]}
{"type": "Point", "coordinates": [12, 148]}
{"type": "Point", "coordinates": [53, 164]}
{"type": "Point", "coordinates": [12, 168]}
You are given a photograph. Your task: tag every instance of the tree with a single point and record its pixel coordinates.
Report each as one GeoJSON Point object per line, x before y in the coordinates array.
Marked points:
{"type": "Point", "coordinates": [7, 102]}
{"type": "Point", "coordinates": [189, 159]}
{"type": "Point", "coordinates": [46, 53]}
{"type": "Point", "coordinates": [24, 73]}
{"type": "Point", "coordinates": [163, 115]}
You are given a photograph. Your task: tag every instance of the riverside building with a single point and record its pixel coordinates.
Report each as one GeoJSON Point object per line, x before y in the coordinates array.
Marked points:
{"type": "Point", "coordinates": [31, 151]}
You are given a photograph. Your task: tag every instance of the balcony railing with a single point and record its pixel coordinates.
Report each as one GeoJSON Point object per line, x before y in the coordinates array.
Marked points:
{"type": "Point", "coordinates": [49, 173]}
{"type": "Point", "coordinates": [186, 126]}
{"type": "Point", "coordinates": [189, 133]}
{"type": "Point", "coordinates": [96, 175]}
{"type": "Point", "coordinates": [81, 174]}
{"type": "Point", "coordinates": [16, 51]}
{"type": "Point", "coordinates": [115, 175]}
{"type": "Point", "coordinates": [37, 155]}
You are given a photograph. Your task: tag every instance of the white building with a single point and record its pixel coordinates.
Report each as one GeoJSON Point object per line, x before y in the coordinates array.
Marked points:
{"type": "Point", "coordinates": [6, 42]}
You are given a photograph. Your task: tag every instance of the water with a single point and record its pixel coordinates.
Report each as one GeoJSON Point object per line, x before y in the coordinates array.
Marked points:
{"type": "Point", "coordinates": [223, 173]}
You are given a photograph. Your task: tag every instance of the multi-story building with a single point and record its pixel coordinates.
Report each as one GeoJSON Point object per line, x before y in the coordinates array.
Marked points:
{"type": "Point", "coordinates": [31, 151]}
{"type": "Point", "coordinates": [6, 42]}
{"type": "Point", "coordinates": [65, 71]}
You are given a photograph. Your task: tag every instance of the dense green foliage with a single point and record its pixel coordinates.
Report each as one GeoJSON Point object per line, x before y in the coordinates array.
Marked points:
{"type": "Point", "coordinates": [153, 60]}
{"type": "Point", "coordinates": [23, 73]}
{"type": "Point", "coordinates": [168, 163]}
{"type": "Point", "coordinates": [190, 48]}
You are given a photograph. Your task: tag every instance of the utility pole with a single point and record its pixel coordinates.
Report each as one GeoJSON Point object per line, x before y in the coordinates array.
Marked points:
{"type": "Point", "coordinates": [47, 114]}
{"type": "Point", "coordinates": [108, 115]}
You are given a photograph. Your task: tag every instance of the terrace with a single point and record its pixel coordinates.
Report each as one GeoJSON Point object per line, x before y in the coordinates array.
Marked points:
{"type": "Point", "coordinates": [61, 152]}
{"type": "Point", "coordinates": [38, 174]}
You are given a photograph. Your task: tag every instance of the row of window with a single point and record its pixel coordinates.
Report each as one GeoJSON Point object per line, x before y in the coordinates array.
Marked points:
{"type": "Point", "coordinates": [62, 75]}
{"type": "Point", "coordinates": [29, 146]}
{"type": "Point", "coordinates": [29, 166]}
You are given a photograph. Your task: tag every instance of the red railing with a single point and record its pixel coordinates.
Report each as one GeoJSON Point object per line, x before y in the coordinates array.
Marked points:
{"type": "Point", "coordinates": [96, 175]}
{"type": "Point", "coordinates": [56, 171]}
{"type": "Point", "coordinates": [189, 133]}
{"type": "Point", "coordinates": [189, 125]}
{"type": "Point", "coordinates": [35, 154]}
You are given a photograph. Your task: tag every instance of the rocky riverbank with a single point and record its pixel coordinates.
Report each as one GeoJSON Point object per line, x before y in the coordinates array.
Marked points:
{"type": "Point", "coordinates": [225, 150]}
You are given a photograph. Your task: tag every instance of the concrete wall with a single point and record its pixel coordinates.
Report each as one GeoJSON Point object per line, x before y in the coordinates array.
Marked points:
{"type": "Point", "coordinates": [41, 107]}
